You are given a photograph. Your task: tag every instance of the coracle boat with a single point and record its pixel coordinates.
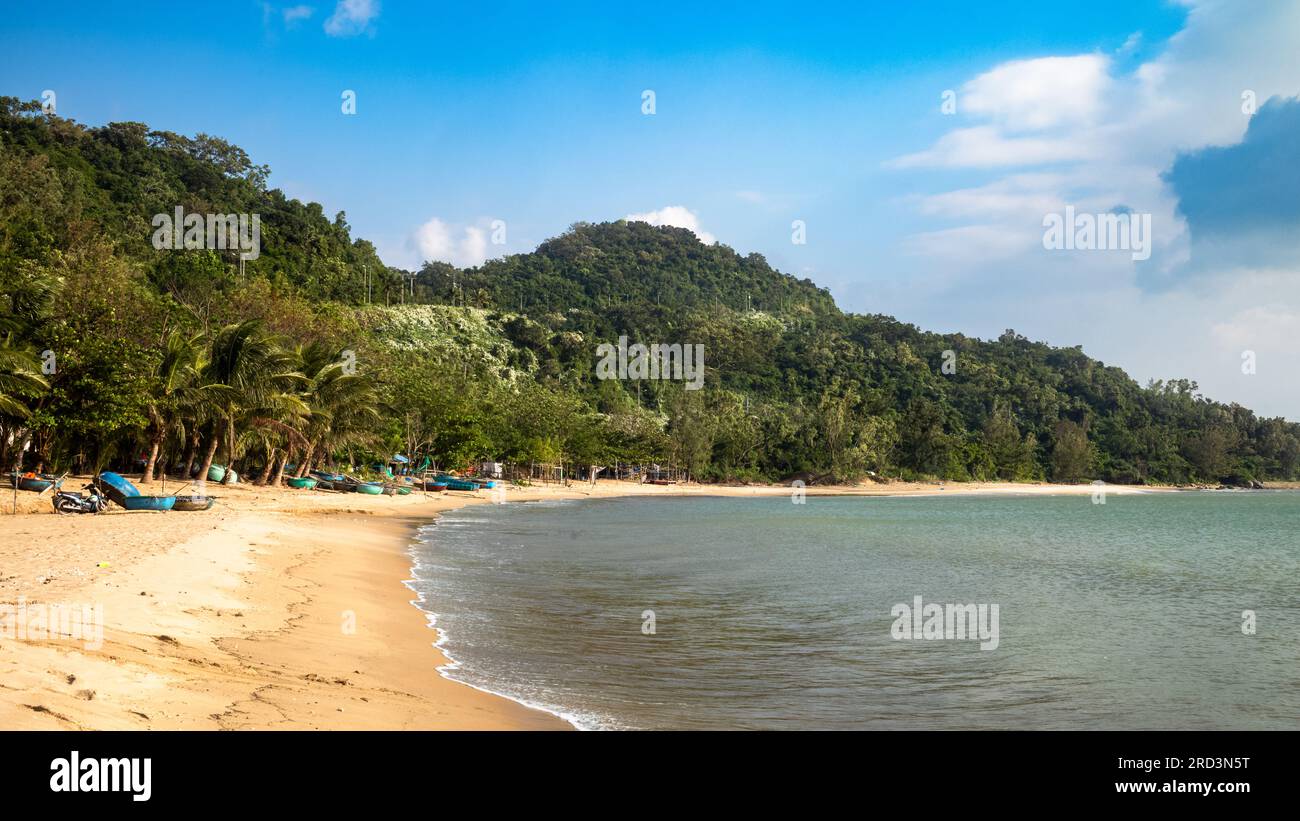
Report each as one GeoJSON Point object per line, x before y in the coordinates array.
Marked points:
{"type": "Point", "coordinates": [116, 487]}
{"type": "Point", "coordinates": [37, 484]}
{"type": "Point", "coordinates": [194, 502]}
{"type": "Point", "coordinates": [127, 495]}
{"type": "Point", "coordinates": [149, 502]}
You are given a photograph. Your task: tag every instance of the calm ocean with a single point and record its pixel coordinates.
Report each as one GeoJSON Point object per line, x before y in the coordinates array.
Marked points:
{"type": "Point", "coordinates": [767, 614]}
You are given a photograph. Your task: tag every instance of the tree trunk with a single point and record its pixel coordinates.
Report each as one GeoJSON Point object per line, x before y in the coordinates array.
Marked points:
{"type": "Point", "coordinates": [192, 453]}
{"type": "Point", "coordinates": [230, 450]}
{"type": "Point", "coordinates": [266, 471]}
{"type": "Point", "coordinates": [279, 469]}
{"type": "Point", "coordinates": [43, 443]}
{"type": "Point", "coordinates": [209, 456]}
{"type": "Point", "coordinates": [147, 477]}
{"type": "Point", "coordinates": [306, 459]}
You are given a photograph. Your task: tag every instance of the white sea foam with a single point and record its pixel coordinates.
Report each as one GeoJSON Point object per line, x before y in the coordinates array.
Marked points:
{"type": "Point", "coordinates": [454, 670]}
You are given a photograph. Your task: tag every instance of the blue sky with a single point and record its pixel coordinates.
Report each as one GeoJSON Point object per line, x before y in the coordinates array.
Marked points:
{"type": "Point", "coordinates": [765, 113]}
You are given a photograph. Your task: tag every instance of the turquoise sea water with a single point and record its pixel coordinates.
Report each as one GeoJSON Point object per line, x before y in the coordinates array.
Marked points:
{"type": "Point", "coordinates": [767, 614]}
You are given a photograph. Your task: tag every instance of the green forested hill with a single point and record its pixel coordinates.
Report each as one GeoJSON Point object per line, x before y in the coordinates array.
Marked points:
{"type": "Point", "coordinates": [176, 354]}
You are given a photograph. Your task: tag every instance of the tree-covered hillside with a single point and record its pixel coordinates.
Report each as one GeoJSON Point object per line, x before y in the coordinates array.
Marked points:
{"type": "Point", "coordinates": [112, 350]}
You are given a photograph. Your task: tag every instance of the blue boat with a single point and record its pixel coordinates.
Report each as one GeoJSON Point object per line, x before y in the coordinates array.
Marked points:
{"type": "Point", "coordinates": [116, 487]}
{"type": "Point", "coordinates": [39, 484]}
{"type": "Point", "coordinates": [120, 490]}
{"type": "Point", "coordinates": [150, 502]}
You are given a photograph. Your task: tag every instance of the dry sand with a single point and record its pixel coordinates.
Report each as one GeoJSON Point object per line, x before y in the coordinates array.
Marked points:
{"type": "Point", "coordinates": [276, 609]}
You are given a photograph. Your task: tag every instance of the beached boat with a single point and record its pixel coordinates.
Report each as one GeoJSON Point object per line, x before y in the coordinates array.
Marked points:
{"type": "Point", "coordinates": [431, 486]}
{"type": "Point", "coordinates": [307, 482]}
{"type": "Point", "coordinates": [369, 489]}
{"type": "Point", "coordinates": [326, 476]}
{"type": "Point", "coordinates": [216, 473]}
{"type": "Point", "coordinates": [116, 487]}
{"type": "Point", "coordinates": [38, 484]}
{"type": "Point", "coordinates": [404, 490]}
{"type": "Point", "coordinates": [460, 484]}
{"type": "Point", "coordinates": [120, 490]}
{"type": "Point", "coordinates": [194, 502]}
{"type": "Point", "coordinates": [149, 502]}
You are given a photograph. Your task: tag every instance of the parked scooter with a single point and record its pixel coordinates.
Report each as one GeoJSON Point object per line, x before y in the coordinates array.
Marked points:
{"type": "Point", "coordinates": [66, 501]}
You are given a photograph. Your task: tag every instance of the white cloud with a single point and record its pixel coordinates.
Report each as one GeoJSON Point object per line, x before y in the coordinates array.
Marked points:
{"type": "Point", "coordinates": [1258, 327]}
{"type": "Point", "coordinates": [351, 17]}
{"type": "Point", "coordinates": [1107, 136]}
{"type": "Point", "coordinates": [1024, 152]}
{"type": "Point", "coordinates": [1130, 45]}
{"type": "Point", "coordinates": [1032, 95]}
{"type": "Point", "coordinates": [1038, 112]}
{"type": "Point", "coordinates": [463, 246]}
{"type": "Point", "coordinates": [957, 244]}
{"type": "Point", "coordinates": [293, 14]}
{"type": "Point", "coordinates": [678, 216]}
{"type": "Point", "coordinates": [989, 147]}
{"type": "Point", "coordinates": [1028, 196]}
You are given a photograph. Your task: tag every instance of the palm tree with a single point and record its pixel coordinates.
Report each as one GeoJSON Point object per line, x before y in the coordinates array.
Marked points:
{"type": "Point", "coordinates": [247, 373]}
{"type": "Point", "coordinates": [26, 295]}
{"type": "Point", "coordinates": [174, 382]}
{"type": "Point", "coordinates": [20, 374]}
{"type": "Point", "coordinates": [343, 405]}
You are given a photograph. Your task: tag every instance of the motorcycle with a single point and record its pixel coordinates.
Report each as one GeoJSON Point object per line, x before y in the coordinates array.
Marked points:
{"type": "Point", "coordinates": [66, 501]}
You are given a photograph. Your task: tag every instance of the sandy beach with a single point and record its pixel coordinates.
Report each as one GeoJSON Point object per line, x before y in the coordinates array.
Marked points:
{"type": "Point", "coordinates": [277, 609]}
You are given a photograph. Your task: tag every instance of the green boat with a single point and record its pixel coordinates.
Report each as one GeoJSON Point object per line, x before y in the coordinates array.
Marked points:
{"type": "Point", "coordinates": [305, 482]}
{"type": "Point", "coordinates": [370, 490]}
{"type": "Point", "coordinates": [217, 473]}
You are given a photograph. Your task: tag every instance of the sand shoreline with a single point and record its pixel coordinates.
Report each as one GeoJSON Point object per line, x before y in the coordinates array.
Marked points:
{"type": "Point", "coordinates": [277, 609]}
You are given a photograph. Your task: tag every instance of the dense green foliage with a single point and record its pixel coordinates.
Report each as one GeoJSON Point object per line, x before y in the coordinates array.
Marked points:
{"type": "Point", "coordinates": [112, 351]}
